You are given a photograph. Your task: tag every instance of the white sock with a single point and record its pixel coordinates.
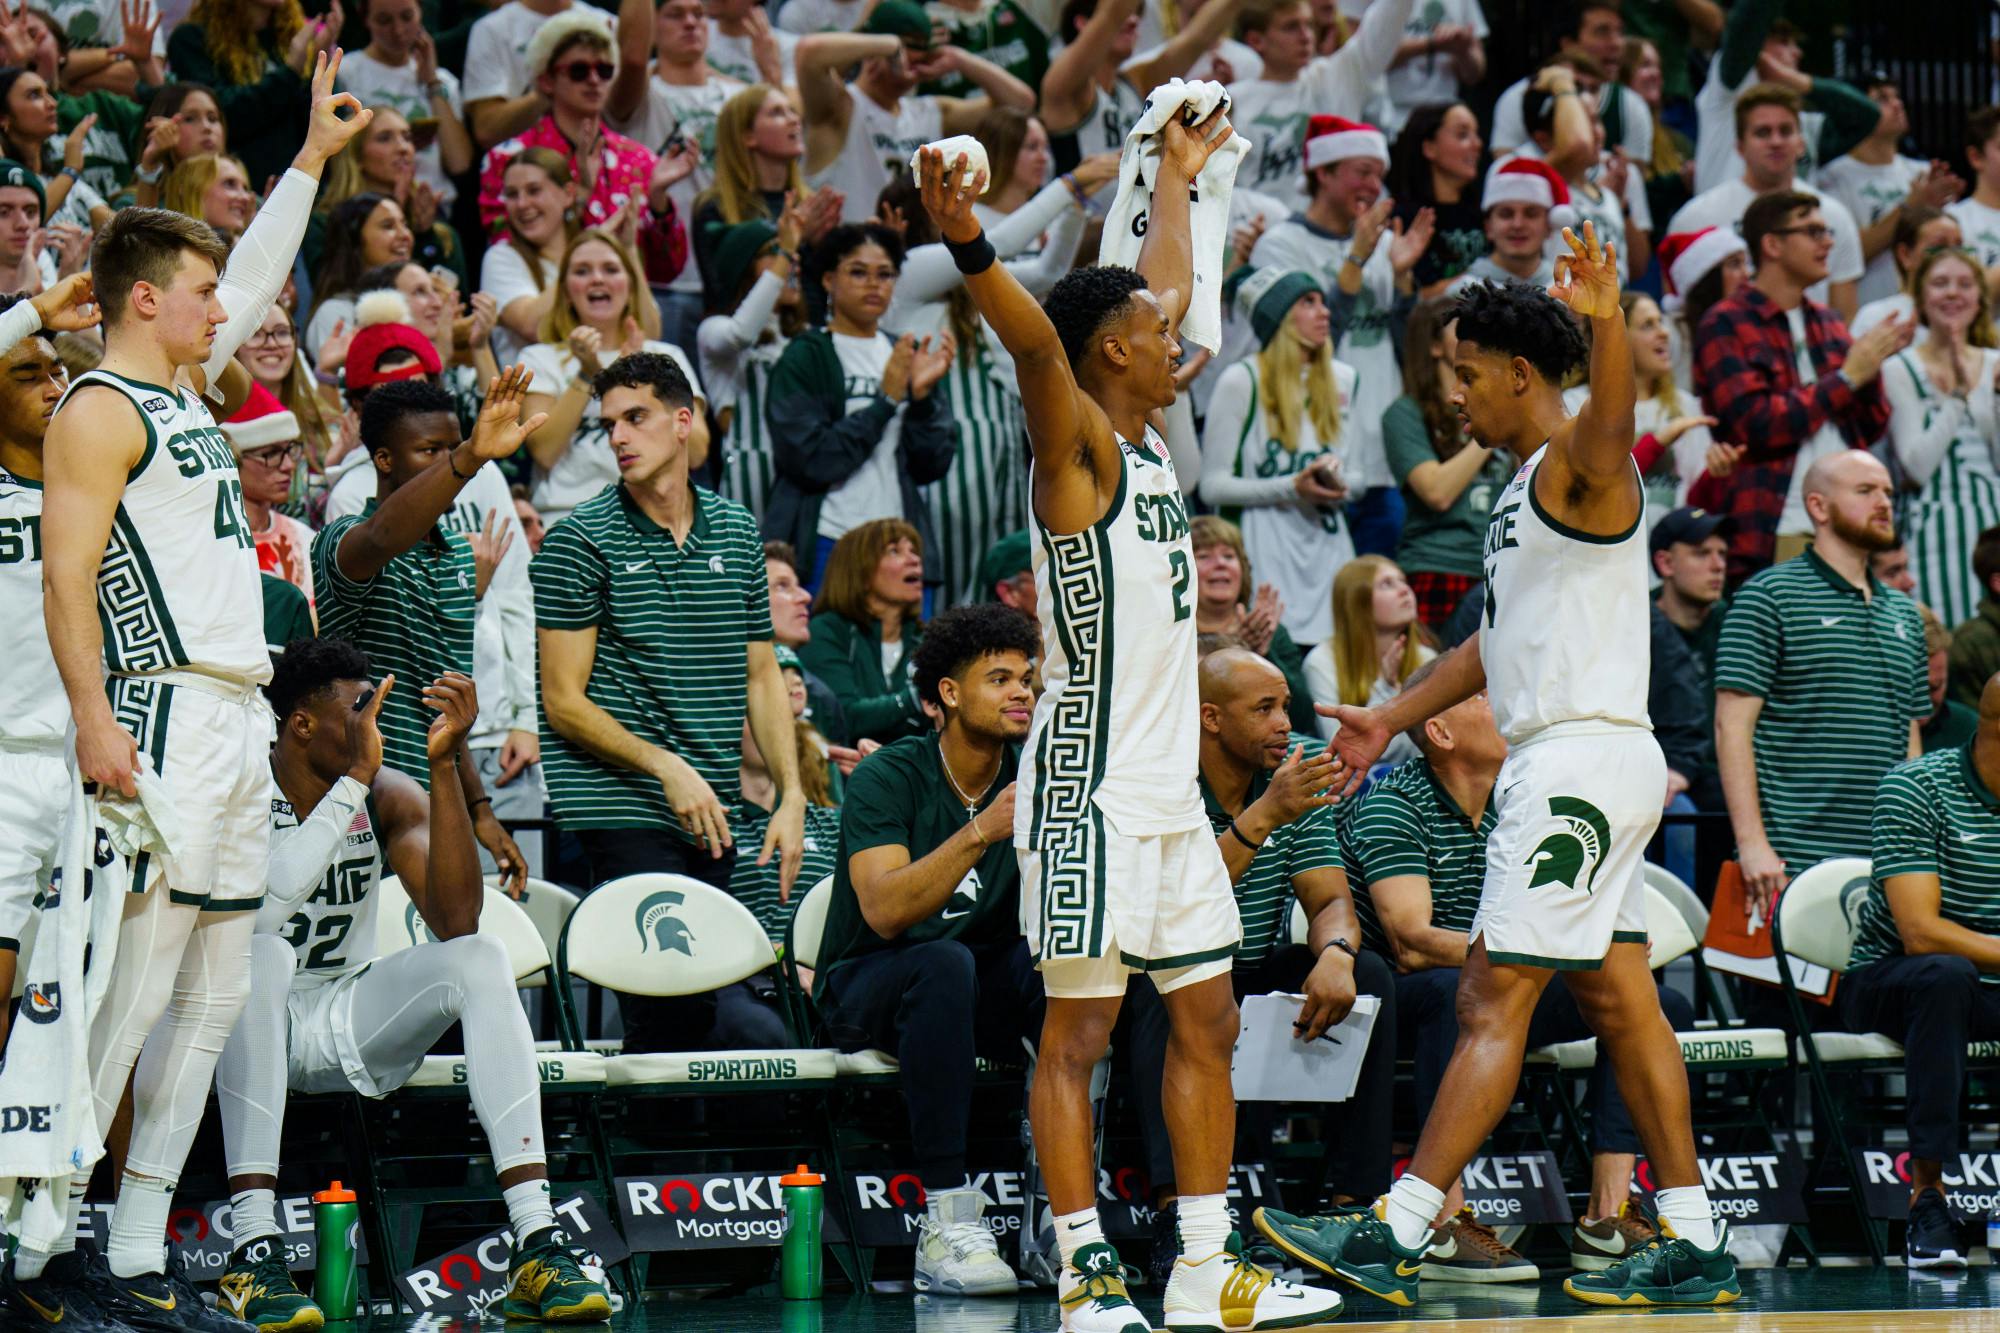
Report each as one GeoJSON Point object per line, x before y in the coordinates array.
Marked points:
{"type": "Point", "coordinates": [1204, 1225]}
{"type": "Point", "coordinates": [1076, 1230]}
{"type": "Point", "coordinates": [31, 1264]}
{"type": "Point", "coordinates": [528, 1208]}
{"type": "Point", "coordinates": [139, 1226]}
{"type": "Point", "coordinates": [1413, 1205]}
{"type": "Point", "coordinates": [1687, 1208]}
{"type": "Point", "coordinates": [253, 1215]}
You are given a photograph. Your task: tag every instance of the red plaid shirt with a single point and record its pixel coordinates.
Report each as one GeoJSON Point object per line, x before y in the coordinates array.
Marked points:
{"type": "Point", "coordinates": [1746, 371]}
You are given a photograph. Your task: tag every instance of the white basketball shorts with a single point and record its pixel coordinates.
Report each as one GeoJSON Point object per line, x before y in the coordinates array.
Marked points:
{"type": "Point", "coordinates": [34, 807]}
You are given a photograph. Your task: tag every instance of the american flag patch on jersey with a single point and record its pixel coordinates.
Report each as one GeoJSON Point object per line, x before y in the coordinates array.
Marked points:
{"type": "Point", "coordinates": [359, 824]}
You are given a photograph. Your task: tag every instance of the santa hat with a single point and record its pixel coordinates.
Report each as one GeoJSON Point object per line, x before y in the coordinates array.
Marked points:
{"type": "Point", "coordinates": [1527, 180]}
{"type": "Point", "coordinates": [384, 324]}
{"type": "Point", "coordinates": [261, 422]}
{"type": "Point", "coordinates": [1686, 257]}
{"type": "Point", "coordinates": [1335, 139]}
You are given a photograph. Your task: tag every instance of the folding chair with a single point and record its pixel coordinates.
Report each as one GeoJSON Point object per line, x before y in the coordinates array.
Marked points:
{"type": "Point", "coordinates": [548, 906]}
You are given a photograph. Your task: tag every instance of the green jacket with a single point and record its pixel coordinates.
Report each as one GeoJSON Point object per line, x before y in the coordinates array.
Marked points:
{"type": "Point", "coordinates": [267, 119]}
{"type": "Point", "coordinates": [816, 444]}
{"type": "Point", "coordinates": [1975, 653]}
{"type": "Point", "coordinates": [848, 658]}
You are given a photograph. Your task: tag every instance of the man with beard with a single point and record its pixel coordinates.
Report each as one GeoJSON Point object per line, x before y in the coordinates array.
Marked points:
{"type": "Point", "coordinates": [1820, 685]}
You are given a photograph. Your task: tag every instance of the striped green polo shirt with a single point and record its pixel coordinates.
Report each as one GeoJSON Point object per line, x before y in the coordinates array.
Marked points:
{"type": "Point", "coordinates": [414, 619]}
{"type": "Point", "coordinates": [1842, 676]}
{"type": "Point", "coordinates": [756, 887]}
{"type": "Point", "coordinates": [1264, 892]}
{"type": "Point", "coordinates": [1408, 824]}
{"type": "Point", "coordinates": [672, 667]}
{"type": "Point", "coordinates": [1933, 816]}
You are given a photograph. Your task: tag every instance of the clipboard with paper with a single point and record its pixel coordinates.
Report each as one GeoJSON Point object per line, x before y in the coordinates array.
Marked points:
{"type": "Point", "coordinates": [1271, 1063]}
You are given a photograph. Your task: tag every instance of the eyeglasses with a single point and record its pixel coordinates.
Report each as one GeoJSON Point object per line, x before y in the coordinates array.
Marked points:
{"type": "Point", "coordinates": [1816, 232]}
{"type": "Point", "coordinates": [579, 71]}
{"type": "Point", "coordinates": [272, 338]}
{"type": "Point", "coordinates": [277, 455]}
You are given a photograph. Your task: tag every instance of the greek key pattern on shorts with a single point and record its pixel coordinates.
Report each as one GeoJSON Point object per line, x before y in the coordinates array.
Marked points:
{"type": "Point", "coordinates": [1069, 760]}
{"type": "Point", "coordinates": [134, 613]}
{"type": "Point", "coordinates": [136, 704]}
{"type": "Point", "coordinates": [1071, 909]}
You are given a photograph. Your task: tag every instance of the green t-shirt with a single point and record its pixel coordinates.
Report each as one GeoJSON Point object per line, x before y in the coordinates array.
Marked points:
{"type": "Point", "coordinates": [899, 796]}
{"type": "Point", "coordinates": [674, 624]}
{"type": "Point", "coordinates": [1841, 677]}
{"type": "Point", "coordinates": [108, 148]}
{"type": "Point", "coordinates": [415, 619]}
{"type": "Point", "coordinates": [1933, 816]}
{"type": "Point", "coordinates": [1000, 31]}
{"type": "Point", "coordinates": [1448, 542]}
{"type": "Point", "coordinates": [1264, 892]}
{"type": "Point", "coordinates": [755, 886]}
{"type": "Point", "coordinates": [1408, 824]}
{"type": "Point", "coordinates": [287, 615]}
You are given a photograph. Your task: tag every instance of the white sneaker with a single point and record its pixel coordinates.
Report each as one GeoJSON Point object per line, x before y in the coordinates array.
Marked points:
{"type": "Point", "coordinates": [1091, 1292]}
{"type": "Point", "coordinates": [1225, 1290]}
{"type": "Point", "coordinates": [956, 1253]}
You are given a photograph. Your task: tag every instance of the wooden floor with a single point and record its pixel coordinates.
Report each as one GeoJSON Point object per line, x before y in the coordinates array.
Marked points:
{"type": "Point", "coordinates": [1793, 1301]}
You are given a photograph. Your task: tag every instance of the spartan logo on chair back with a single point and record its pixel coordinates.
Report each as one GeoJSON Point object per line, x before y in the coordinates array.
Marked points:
{"type": "Point", "coordinates": [1583, 840]}
{"type": "Point", "coordinates": [656, 923]}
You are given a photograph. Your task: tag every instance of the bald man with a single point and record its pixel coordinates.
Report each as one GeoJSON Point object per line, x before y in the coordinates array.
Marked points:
{"type": "Point", "coordinates": [1263, 788]}
{"type": "Point", "coordinates": [1926, 963]}
{"type": "Point", "coordinates": [1821, 684]}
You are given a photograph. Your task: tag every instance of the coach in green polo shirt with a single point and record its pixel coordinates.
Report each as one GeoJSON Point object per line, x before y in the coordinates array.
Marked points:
{"type": "Point", "coordinates": [653, 619]}
{"type": "Point", "coordinates": [1926, 962]}
{"type": "Point", "coordinates": [1820, 684]}
{"type": "Point", "coordinates": [396, 585]}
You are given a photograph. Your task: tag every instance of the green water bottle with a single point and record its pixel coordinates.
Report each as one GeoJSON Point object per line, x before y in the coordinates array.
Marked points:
{"type": "Point", "coordinates": [799, 1261]}
{"type": "Point", "coordinates": [337, 1251]}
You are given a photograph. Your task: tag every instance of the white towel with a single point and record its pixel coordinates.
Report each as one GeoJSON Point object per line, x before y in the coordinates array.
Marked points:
{"type": "Point", "coordinates": [1139, 167]}
{"type": "Point", "coordinates": [48, 1120]}
{"type": "Point", "coordinates": [976, 164]}
{"type": "Point", "coordinates": [147, 824]}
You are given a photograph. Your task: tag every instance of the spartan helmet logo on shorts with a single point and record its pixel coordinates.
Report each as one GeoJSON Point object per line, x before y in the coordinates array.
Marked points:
{"type": "Point", "coordinates": [1560, 857]}
{"type": "Point", "coordinates": [657, 924]}
{"type": "Point", "coordinates": [416, 927]}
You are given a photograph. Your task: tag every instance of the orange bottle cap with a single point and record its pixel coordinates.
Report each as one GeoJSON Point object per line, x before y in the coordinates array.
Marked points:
{"type": "Point", "coordinates": [334, 1193]}
{"type": "Point", "coordinates": [802, 1176]}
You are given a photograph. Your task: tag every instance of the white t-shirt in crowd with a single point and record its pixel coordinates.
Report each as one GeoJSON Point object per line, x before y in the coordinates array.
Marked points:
{"type": "Point", "coordinates": [1715, 156]}
{"type": "Point", "coordinates": [874, 490]}
{"type": "Point", "coordinates": [1426, 78]}
{"type": "Point", "coordinates": [1242, 62]}
{"type": "Point", "coordinates": [880, 141]}
{"type": "Point", "coordinates": [688, 110]}
{"type": "Point", "coordinates": [496, 52]}
{"type": "Point", "coordinates": [1825, 442]}
{"type": "Point", "coordinates": [1510, 125]}
{"type": "Point", "coordinates": [504, 275]}
{"type": "Point", "coordinates": [1870, 194]}
{"type": "Point", "coordinates": [732, 55]}
{"type": "Point", "coordinates": [810, 16]}
{"type": "Point", "coordinates": [1724, 207]}
{"type": "Point", "coordinates": [588, 465]}
{"type": "Point", "coordinates": [1981, 226]}
{"type": "Point", "coordinates": [395, 86]}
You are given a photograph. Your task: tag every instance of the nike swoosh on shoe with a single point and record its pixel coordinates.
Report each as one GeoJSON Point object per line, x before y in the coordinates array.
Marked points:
{"type": "Point", "coordinates": [1617, 1245]}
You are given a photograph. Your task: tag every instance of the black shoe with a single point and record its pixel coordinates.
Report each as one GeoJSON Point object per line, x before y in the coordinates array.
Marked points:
{"type": "Point", "coordinates": [1166, 1247]}
{"type": "Point", "coordinates": [55, 1300]}
{"type": "Point", "coordinates": [1931, 1239]}
{"type": "Point", "coordinates": [156, 1302]}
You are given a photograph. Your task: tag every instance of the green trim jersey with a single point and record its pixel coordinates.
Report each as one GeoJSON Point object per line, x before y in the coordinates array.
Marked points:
{"type": "Point", "coordinates": [755, 886]}
{"type": "Point", "coordinates": [1842, 675]}
{"type": "Point", "coordinates": [1408, 824]}
{"type": "Point", "coordinates": [1566, 635]}
{"type": "Point", "coordinates": [333, 929]}
{"type": "Point", "coordinates": [34, 711]}
{"type": "Point", "coordinates": [1264, 892]}
{"type": "Point", "coordinates": [674, 624]}
{"type": "Point", "coordinates": [1944, 442]}
{"type": "Point", "coordinates": [178, 588]}
{"type": "Point", "coordinates": [899, 796]}
{"type": "Point", "coordinates": [1116, 734]}
{"type": "Point", "coordinates": [1933, 816]}
{"type": "Point", "coordinates": [415, 618]}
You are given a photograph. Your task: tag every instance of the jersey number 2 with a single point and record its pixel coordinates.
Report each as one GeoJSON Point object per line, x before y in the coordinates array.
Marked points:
{"type": "Point", "coordinates": [1178, 562]}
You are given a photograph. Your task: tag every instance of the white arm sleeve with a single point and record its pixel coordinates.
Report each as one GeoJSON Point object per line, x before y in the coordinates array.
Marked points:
{"type": "Point", "coordinates": [1921, 429]}
{"type": "Point", "coordinates": [258, 267]}
{"type": "Point", "coordinates": [18, 321]}
{"type": "Point", "coordinates": [746, 325]}
{"type": "Point", "coordinates": [300, 856]}
{"type": "Point", "coordinates": [930, 273]}
{"type": "Point", "coordinates": [1041, 272]}
{"type": "Point", "coordinates": [1233, 412]}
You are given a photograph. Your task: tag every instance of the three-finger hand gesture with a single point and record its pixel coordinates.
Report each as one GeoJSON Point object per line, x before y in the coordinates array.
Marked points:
{"type": "Point", "coordinates": [1587, 277]}
{"type": "Point", "coordinates": [328, 133]}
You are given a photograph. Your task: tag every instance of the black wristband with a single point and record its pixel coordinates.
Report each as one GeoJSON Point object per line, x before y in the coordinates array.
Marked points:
{"type": "Point", "coordinates": [973, 257]}
{"type": "Point", "coordinates": [1237, 834]}
{"type": "Point", "coordinates": [452, 463]}
{"type": "Point", "coordinates": [488, 800]}
{"type": "Point", "coordinates": [1344, 947]}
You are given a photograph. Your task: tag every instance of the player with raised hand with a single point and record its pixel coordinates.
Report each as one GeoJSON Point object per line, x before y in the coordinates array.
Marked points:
{"type": "Point", "coordinates": [1562, 650]}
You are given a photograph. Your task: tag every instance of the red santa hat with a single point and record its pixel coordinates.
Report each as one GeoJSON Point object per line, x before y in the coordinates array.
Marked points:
{"type": "Point", "coordinates": [261, 422]}
{"type": "Point", "coordinates": [384, 321]}
{"type": "Point", "coordinates": [1335, 139]}
{"type": "Point", "coordinates": [1528, 180]}
{"type": "Point", "coordinates": [1686, 257]}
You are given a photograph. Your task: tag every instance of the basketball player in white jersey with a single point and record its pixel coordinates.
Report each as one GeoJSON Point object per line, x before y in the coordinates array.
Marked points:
{"type": "Point", "coordinates": [1563, 652]}
{"type": "Point", "coordinates": [151, 573]}
{"type": "Point", "coordinates": [325, 1014]}
{"type": "Point", "coordinates": [1119, 870]}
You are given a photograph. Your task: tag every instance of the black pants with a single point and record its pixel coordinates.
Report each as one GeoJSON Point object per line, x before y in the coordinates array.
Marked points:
{"type": "Point", "coordinates": [936, 1005]}
{"type": "Point", "coordinates": [1428, 1003]}
{"type": "Point", "coordinates": [1356, 1130]}
{"type": "Point", "coordinates": [1934, 1004]}
{"type": "Point", "coordinates": [743, 1016]}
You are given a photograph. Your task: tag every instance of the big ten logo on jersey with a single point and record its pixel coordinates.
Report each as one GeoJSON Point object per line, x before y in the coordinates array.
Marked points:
{"type": "Point", "coordinates": [21, 540]}
{"type": "Point", "coordinates": [206, 449]}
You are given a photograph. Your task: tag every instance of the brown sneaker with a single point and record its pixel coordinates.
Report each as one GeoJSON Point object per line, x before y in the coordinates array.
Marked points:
{"type": "Point", "coordinates": [1595, 1246]}
{"type": "Point", "coordinates": [1468, 1251]}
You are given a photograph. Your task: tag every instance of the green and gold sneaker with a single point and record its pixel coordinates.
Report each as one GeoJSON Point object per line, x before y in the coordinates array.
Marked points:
{"type": "Point", "coordinates": [258, 1289]}
{"type": "Point", "coordinates": [1359, 1248]}
{"type": "Point", "coordinates": [547, 1283]}
{"type": "Point", "coordinates": [1668, 1271]}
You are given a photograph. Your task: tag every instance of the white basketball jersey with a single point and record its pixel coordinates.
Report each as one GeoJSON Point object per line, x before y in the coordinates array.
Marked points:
{"type": "Point", "coordinates": [178, 588]}
{"type": "Point", "coordinates": [1565, 635]}
{"type": "Point", "coordinates": [1118, 725]}
{"type": "Point", "coordinates": [333, 930]}
{"type": "Point", "coordinates": [34, 711]}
